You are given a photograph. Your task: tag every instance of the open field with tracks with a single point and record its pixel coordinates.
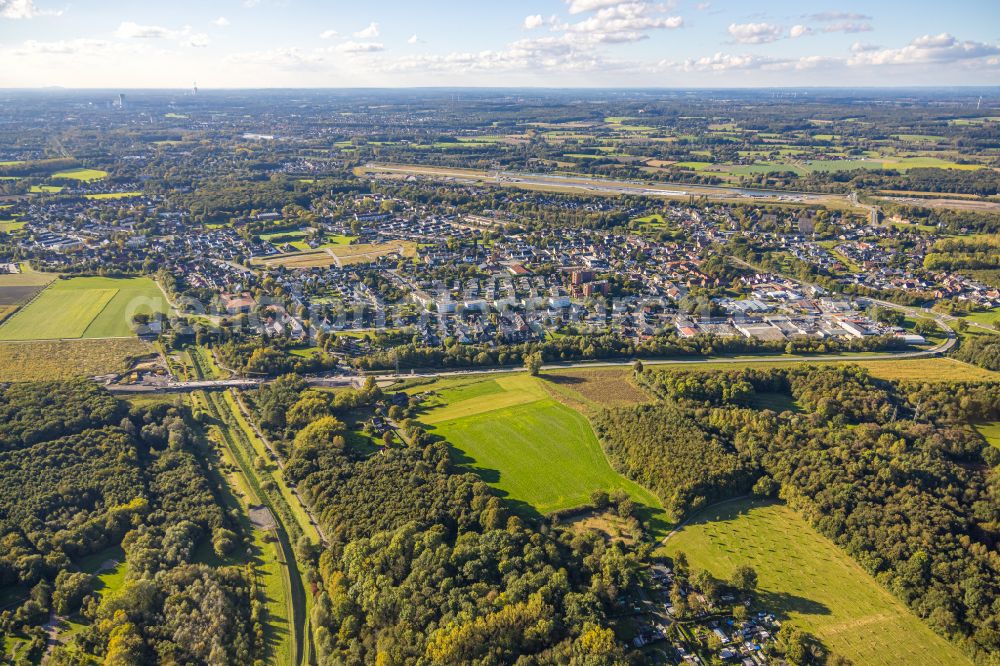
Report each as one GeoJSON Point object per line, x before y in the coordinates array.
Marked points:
{"type": "Point", "coordinates": [523, 442]}
{"type": "Point", "coordinates": [339, 254]}
{"type": "Point", "coordinates": [811, 581]}
{"type": "Point", "coordinates": [85, 307]}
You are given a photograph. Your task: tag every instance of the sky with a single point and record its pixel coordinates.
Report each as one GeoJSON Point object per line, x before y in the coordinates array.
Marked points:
{"type": "Point", "coordinates": [542, 43]}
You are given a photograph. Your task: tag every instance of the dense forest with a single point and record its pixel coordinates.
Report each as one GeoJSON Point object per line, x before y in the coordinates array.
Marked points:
{"type": "Point", "coordinates": [426, 564]}
{"type": "Point", "coordinates": [892, 473]}
{"type": "Point", "coordinates": [84, 474]}
{"type": "Point", "coordinates": [981, 350]}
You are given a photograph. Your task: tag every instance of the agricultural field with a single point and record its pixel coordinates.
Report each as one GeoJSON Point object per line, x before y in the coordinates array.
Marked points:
{"type": "Point", "coordinates": [591, 389]}
{"type": "Point", "coordinates": [63, 359]}
{"type": "Point", "coordinates": [16, 288]}
{"type": "Point", "coordinates": [806, 578]}
{"type": "Point", "coordinates": [84, 175]}
{"type": "Point", "coordinates": [533, 448]}
{"type": "Point", "coordinates": [85, 307]}
{"type": "Point", "coordinates": [45, 189]}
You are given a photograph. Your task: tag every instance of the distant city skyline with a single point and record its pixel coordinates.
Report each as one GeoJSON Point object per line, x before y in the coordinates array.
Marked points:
{"type": "Point", "coordinates": [547, 43]}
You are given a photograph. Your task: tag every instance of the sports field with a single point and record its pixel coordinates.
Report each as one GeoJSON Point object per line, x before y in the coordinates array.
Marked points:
{"type": "Point", "coordinates": [85, 307]}
{"type": "Point", "coordinates": [525, 443]}
{"type": "Point", "coordinates": [805, 576]}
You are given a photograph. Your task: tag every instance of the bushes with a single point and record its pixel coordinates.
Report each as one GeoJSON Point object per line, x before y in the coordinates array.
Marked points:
{"type": "Point", "coordinates": [665, 450]}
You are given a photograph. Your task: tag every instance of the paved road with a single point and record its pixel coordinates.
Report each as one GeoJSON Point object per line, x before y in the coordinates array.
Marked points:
{"type": "Point", "coordinates": [357, 380]}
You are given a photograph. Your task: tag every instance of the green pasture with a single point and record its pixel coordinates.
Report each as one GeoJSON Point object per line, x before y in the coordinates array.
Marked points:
{"type": "Point", "coordinates": [990, 432]}
{"type": "Point", "coordinates": [809, 580]}
{"type": "Point", "coordinates": [85, 307]}
{"type": "Point", "coordinates": [85, 175]}
{"type": "Point", "coordinates": [524, 443]}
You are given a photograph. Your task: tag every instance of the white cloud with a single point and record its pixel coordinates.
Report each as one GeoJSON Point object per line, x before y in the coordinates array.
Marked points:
{"type": "Point", "coordinates": [580, 6]}
{"type": "Point", "coordinates": [62, 47]}
{"type": "Point", "coordinates": [292, 58]}
{"type": "Point", "coordinates": [929, 49]}
{"type": "Point", "coordinates": [328, 34]}
{"type": "Point", "coordinates": [861, 47]}
{"type": "Point", "coordinates": [413, 39]}
{"type": "Point", "coordinates": [371, 32]}
{"type": "Point", "coordinates": [24, 9]}
{"type": "Point", "coordinates": [132, 30]}
{"type": "Point", "coordinates": [533, 21]}
{"type": "Point", "coordinates": [360, 47]}
{"type": "Point", "coordinates": [755, 33]}
{"type": "Point", "coordinates": [703, 6]}
{"type": "Point", "coordinates": [848, 27]}
{"type": "Point", "coordinates": [722, 62]}
{"type": "Point", "coordinates": [800, 31]}
{"type": "Point", "coordinates": [184, 36]}
{"type": "Point", "coordinates": [556, 53]}
{"type": "Point", "coordinates": [576, 46]}
{"type": "Point", "coordinates": [622, 23]}
{"type": "Point", "coordinates": [840, 16]}
{"type": "Point", "coordinates": [221, 22]}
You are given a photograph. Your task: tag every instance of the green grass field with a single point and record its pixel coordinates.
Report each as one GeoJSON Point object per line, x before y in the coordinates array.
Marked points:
{"type": "Point", "coordinates": [990, 432]}
{"type": "Point", "coordinates": [45, 189]}
{"type": "Point", "coordinates": [807, 578]}
{"type": "Point", "coordinates": [85, 307]}
{"type": "Point", "coordinates": [525, 443]}
{"type": "Point", "coordinates": [85, 175]}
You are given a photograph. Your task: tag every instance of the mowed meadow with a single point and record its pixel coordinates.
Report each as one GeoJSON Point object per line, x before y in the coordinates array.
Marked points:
{"type": "Point", "coordinates": [511, 431]}
{"type": "Point", "coordinates": [85, 307]}
{"type": "Point", "coordinates": [809, 580]}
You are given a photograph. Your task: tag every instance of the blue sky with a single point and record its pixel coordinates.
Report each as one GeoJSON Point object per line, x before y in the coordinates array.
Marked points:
{"type": "Point", "coordinates": [681, 43]}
